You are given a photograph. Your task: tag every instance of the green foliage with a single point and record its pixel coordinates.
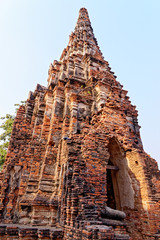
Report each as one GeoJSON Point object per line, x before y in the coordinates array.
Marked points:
{"type": "Point", "coordinates": [3, 153]}
{"type": "Point", "coordinates": [6, 127]}
{"type": "Point", "coordinates": [17, 105]}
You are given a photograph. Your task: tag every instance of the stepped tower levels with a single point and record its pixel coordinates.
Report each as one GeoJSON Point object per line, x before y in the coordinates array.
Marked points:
{"type": "Point", "coordinates": [75, 167]}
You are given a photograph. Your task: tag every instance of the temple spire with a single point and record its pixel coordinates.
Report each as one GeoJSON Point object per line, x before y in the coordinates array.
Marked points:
{"type": "Point", "coordinates": [76, 59]}
{"type": "Point", "coordinates": [83, 26]}
{"type": "Point", "coordinates": [83, 16]}
{"type": "Point", "coordinates": [82, 40]}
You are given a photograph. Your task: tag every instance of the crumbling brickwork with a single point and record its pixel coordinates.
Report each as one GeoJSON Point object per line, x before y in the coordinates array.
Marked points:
{"type": "Point", "coordinates": [75, 167]}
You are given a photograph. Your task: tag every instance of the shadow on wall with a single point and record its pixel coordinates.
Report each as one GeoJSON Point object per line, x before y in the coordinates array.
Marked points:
{"type": "Point", "coordinates": [127, 191]}
{"type": "Point", "coordinates": [118, 179]}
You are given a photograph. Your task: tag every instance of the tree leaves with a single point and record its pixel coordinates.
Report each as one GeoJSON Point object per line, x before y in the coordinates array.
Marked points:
{"type": "Point", "coordinates": [6, 126]}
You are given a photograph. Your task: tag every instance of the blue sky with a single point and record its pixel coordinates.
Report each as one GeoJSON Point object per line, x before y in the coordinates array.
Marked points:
{"type": "Point", "coordinates": [34, 32]}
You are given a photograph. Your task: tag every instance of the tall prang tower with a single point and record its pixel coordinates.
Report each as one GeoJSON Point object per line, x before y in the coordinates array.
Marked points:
{"type": "Point", "coordinates": [75, 167]}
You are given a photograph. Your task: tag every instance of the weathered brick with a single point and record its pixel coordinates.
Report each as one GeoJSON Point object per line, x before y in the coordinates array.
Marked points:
{"type": "Point", "coordinates": [75, 150]}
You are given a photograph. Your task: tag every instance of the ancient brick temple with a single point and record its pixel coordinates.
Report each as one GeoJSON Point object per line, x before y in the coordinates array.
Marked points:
{"type": "Point", "coordinates": [75, 167]}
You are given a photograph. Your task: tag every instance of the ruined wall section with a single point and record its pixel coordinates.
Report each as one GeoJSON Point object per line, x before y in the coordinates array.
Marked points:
{"type": "Point", "coordinates": [15, 168]}
{"type": "Point", "coordinates": [35, 203]}
{"type": "Point", "coordinates": [21, 155]}
{"type": "Point", "coordinates": [86, 174]}
{"type": "Point", "coordinates": [147, 177]}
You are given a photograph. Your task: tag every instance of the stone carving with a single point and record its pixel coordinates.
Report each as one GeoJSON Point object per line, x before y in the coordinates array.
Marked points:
{"type": "Point", "coordinates": [113, 214]}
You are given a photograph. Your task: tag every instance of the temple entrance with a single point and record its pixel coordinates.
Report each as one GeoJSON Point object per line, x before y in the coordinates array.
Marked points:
{"type": "Point", "coordinates": [111, 202]}
{"type": "Point", "coordinates": [110, 191]}
{"type": "Point", "coordinates": [119, 187]}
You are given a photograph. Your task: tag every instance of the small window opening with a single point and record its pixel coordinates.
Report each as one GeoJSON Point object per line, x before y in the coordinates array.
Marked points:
{"type": "Point", "coordinates": [78, 131]}
{"type": "Point", "coordinates": [90, 120]}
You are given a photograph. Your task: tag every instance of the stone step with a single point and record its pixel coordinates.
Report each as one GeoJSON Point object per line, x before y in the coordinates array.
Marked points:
{"type": "Point", "coordinates": [30, 232]}
{"type": "Point", "coordinates": [122, 237]}
{"type": "Point", "coordinates": [110, 222]}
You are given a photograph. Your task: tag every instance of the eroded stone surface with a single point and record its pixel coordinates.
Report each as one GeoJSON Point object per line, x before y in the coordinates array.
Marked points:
{"type": "Point", "coordinates": [75, 149]}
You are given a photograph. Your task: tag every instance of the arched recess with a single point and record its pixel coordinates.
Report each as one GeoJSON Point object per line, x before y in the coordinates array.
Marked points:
{"type": "Point", "coordinates": [120, 192]}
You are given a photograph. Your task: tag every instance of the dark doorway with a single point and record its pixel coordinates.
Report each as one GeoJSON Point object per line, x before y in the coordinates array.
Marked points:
{"type": "Point", "coordinates": [110, 190]}
{"type": "Point", "coordinates": [113, 195]}
{"type": "Point", "coordinates": [119, 185]}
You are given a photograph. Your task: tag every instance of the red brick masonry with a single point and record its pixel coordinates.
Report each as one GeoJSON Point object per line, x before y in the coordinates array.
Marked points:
{"type": "Point", "coordinates": [76, 149]}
